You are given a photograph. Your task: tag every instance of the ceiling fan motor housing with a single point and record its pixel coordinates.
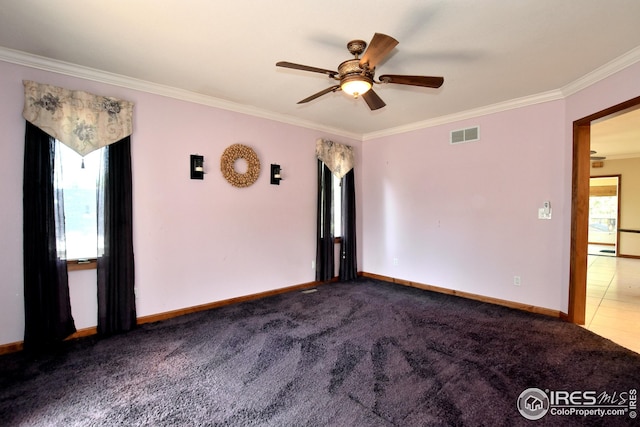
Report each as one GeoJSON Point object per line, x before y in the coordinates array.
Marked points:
{"type": "Point", "coordinates": [350, 70]}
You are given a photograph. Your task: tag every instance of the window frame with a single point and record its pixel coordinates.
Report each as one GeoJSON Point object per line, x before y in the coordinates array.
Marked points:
{"type": "Point", "coordinates": [82, 262]}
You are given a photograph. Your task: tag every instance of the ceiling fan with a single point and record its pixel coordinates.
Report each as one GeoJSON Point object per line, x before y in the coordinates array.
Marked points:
{"type": "Point", "coordinates": [593, 157]}
{"type": "Point", "coordinates": [356, 76]}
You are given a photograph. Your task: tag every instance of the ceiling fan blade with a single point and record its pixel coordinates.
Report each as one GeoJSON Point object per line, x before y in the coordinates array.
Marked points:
{"type": "Point", "coordinates": [286, 64]}
{"type": "Point", "coordinates": [319, 94]}
{"type": "Point", "coordinates": [424, 81]}
{"type": "Point", "coordinates": [373, 100]}
{"type": "Point", "coordinates": [378, 49]}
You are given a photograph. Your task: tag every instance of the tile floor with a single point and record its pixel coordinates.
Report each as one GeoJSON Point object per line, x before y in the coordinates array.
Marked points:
{"type": "Point", "coordinates": [613, 299]}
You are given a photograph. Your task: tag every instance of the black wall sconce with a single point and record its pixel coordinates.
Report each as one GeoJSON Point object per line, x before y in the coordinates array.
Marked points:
{"type": "Point", "coordinates": [275, 174]}
{"type": "Point", "coordinates": [197, 166]}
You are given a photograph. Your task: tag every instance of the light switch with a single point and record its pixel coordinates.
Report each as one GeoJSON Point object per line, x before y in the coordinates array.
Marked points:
{"type": "Point", "coordinates": [544, 213]}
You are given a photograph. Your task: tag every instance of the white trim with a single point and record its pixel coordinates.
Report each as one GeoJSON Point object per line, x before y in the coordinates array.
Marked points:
{"type": "Point", "coordinates": [66, 68]}
{"type": "Point", "coordinates": [603, 72]}
{"type": "Point", "coordinates": [583, 82]}
{"type": "Point", "coordinates": [621, 157]}
{"type": "Point", "coordinates": [73, 70]}
{"type": "Point", "coordinates": [469, 114]}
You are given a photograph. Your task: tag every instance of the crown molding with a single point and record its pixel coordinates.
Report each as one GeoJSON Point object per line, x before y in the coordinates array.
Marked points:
{"type": "Point", "coordinates": [468, 114]}
{"type": "Point", "coordinates": [601, 73]}
{"type": "Point", "coordinates": [92, 74]}
{"type": "Point", "coordinates": [73, 70]}
{"type": "Point", "coordinates": [623, 156]}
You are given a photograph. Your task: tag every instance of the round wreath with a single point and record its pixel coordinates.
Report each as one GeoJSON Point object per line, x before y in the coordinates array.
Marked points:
{"type": "Point", "coordinates": [228, 161]}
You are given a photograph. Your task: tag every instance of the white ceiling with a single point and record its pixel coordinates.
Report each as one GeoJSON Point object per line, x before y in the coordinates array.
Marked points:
{"type": "Point", "coordinates": [617, 136]}
{"type": "Point", "coordinates": [489, 51]}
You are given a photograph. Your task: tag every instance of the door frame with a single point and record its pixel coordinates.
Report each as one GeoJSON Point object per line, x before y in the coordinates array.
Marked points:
{"type": "Point", "coordinates": [580, 209]}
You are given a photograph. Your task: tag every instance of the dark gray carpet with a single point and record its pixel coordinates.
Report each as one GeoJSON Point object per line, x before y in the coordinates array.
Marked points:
{"type": "Point", "coordinates": [362, 353]}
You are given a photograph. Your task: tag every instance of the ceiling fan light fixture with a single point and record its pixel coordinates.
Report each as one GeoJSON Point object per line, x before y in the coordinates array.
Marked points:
{"type": "Point", "coordinates": [356, 75]}
{"type": "Point", "coordinates": [355, 85]}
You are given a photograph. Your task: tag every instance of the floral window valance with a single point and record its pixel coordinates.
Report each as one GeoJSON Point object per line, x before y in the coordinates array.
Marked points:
{"type": "Point", "coordinates": [80, 120]}
{"type": "Point", "coordinates": [337, 157]}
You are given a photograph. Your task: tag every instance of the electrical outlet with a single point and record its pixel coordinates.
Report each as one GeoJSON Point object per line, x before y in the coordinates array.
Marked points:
{"type": "Point", "coordinates": [516, 280]}
{"type": "Point", "coordinates": [395, 261]}
{"type": "Point", "coordinates": [313, 265]}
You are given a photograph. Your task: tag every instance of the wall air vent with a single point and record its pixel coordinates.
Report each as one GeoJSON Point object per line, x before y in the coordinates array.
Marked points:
{"type": "Point", "coordinates": [465, 135]}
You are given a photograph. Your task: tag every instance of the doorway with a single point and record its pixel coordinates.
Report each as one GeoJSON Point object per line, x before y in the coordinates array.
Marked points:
{"type": "Point", "coordinates": [580, 209]}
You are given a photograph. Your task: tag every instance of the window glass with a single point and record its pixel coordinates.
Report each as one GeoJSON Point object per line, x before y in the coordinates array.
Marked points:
{"type": "Point", "coordinates": [603, 212]}
{"type": "Point", "coordinates": [79, 177]}
{"type": "Point", "coordinates": [337, 206]}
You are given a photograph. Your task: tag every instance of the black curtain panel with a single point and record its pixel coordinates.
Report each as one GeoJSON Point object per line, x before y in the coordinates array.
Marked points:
{"type": "Point", "coordinates": [116, 278]}
{"type": "Point", "coordinates": [325, 245]}
{"type": "Point", "coordinates": [348, 256]}
{"type": "Point", "coordinates": [47, 305]}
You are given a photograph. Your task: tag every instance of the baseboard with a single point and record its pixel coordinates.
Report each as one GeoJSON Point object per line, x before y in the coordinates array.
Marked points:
{"type": "Point", "coordinates": [80, 333]}
{"type": "Point", "coordinates": [19, 346]}
{"type": "Point", "coordinates": [468, 295]}
{"type": "Point", "coordinates": [12, 347]}
{"type": "Point", "coordinates": [216, 304]}
{"type": "Point", "coordinates": [601, 244]}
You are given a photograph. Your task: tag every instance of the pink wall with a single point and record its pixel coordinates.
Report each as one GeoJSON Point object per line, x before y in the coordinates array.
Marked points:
{"type": "Point", "coordinates": [195, 241]}
{"type": "Point", "coordinates": [464, 216]}
{"type": "Point", "coordinates": [617, 88]}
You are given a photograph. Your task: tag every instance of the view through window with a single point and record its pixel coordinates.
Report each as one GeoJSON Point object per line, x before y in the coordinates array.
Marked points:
{"type": "Point", "coordinates": [79, 179]}
{"type": "Point", "coordinates": [337, 206]}
{"type": "Point", "coordinates": [603, 211]}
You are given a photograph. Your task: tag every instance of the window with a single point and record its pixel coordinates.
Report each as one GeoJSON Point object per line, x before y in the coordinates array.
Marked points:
{"type": "Point", "coordinates": [603, 210]}
{"type": "Point", "coordinates": [78, 178]}
{"type": "Point", "coordinates": [337, 205]}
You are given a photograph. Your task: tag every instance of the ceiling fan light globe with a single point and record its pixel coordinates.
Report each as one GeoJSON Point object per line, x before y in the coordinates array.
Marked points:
{"type": "Point", "coordinates": [355, 87]}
